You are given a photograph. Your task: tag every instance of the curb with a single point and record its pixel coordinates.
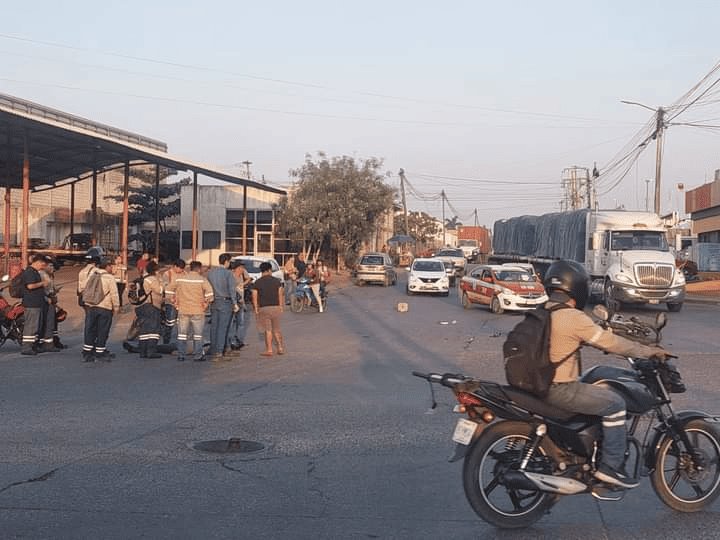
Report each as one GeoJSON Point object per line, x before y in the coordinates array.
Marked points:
{"type": "Point", "coordinates": [712, 301]}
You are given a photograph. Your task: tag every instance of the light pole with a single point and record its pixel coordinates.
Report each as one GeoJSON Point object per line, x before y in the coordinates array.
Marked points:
{"type": "Point", "coordinates": [659, 128]}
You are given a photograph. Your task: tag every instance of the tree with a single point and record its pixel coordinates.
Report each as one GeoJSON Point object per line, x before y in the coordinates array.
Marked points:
{"type": "Point", "coordinates": [141, 203]}
{"type": "Point", "coordinates": [452, 223]}
{"type": "Point", "coordinates": [335, 203]}
{"type": "Point", "coordinates": [423, 227]}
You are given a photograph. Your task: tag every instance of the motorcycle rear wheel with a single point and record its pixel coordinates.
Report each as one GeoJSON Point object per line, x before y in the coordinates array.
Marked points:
{"type": "Point", "coordinates": [3, 335]}
{"type": "Point", "coordinates": [296, 304]}
{"type": "Point", "coordinates": [676, 479]}
{"type": "Point", "coordinates": [504, 443]}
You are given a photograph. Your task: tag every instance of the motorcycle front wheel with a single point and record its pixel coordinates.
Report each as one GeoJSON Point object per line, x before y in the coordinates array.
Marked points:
{"type": "Point", "coordinates": [683, 483]}
{"type": "Point", "coordinates": [500, 449]}
{"type": "Point", "coordinates": [296, 304]}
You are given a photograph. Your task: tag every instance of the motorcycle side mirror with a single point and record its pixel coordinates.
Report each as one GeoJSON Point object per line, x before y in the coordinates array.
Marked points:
{"type": "Point", "coordinates": [601, 312]}
{"type": "Point", "coordinates": [660, 321]}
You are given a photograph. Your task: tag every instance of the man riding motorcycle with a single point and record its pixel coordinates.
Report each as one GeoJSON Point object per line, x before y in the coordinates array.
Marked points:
{"type": "Point", "coordinates": [567, 284]}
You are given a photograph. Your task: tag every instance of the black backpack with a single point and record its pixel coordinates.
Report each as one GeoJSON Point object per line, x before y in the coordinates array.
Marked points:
{"type": "Point", "coordinates": [16, 286]}
{"type": "Point", "coordinates": [527, 352]}
{"type": "Point", "coordinates": [136, 291]}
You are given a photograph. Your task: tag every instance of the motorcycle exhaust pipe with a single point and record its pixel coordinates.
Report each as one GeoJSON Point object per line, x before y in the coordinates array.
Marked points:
{"type": "Point", "coordinates": [543, 482]}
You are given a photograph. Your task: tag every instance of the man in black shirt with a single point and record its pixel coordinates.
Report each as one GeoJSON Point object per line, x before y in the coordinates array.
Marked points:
{"type": "Point", "coordinates": [34, 301]}
{"type": "Point", "coordinates": [267, 298]}
{"type": "Point", "coordinates": [300, 264]}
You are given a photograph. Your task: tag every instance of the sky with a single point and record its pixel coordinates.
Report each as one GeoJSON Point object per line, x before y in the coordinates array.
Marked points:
{"type": "Point", "coordinates": [488, 101]}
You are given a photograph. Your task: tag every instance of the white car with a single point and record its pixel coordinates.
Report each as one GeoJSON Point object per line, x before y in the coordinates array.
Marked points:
{"type": "Point", "coordinates": [252, 265]}
{"type": "Point", "coordinates": [428, 276]}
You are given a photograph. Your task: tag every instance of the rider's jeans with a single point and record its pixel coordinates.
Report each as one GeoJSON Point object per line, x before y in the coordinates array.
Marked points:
{"type": "Point", "coordinates": [596, 401]}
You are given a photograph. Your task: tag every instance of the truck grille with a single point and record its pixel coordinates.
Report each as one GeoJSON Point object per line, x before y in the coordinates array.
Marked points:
{"type": "Point", "coordinates": [654, 275]}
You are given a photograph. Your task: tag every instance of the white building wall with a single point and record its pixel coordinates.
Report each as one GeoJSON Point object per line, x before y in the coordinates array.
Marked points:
{"type": "Point", "coordinates": [213, 203]}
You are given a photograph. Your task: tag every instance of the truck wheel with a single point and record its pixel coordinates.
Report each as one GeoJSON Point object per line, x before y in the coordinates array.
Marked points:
{"type": "Point", "coordinates": [610, 303]}
{"type": "Point", "coordinates": [495, 306]}
{"type": "Point", "coordinates": [674, 308]}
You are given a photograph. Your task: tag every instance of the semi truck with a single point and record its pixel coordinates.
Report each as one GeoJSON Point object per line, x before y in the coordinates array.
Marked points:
{"type": "Point", "coordinates": [626, 253]}
{"type": "Point", "coordinates": [474, 241]}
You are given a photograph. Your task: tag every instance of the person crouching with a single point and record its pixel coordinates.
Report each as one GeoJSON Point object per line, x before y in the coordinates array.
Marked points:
{"type": "Point", "coordinates": [149, 313]}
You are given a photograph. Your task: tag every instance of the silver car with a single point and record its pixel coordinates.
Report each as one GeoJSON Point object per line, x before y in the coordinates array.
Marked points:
{"type": "Point", "coordinates": [375, 268]}
{"type": "Point", "coordinates": [455, 256]}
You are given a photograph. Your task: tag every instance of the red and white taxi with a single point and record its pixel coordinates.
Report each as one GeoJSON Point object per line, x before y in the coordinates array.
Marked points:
{"type": "Point", "coordinates": [502, 287]}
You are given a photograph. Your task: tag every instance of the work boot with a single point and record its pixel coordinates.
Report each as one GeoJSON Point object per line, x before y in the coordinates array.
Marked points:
{"type": "Point", "coordinates": [47, 347]}
{"type": "Point", "coordinates": [88, 356]}
{"type": "Point", "coordinates": [105, 356]}
{"type": "Point", "coordinates": [28, 350]}
{"type": "Point", "coordinates": [143, 346]}
{"type": "Point", "coordinates": [152, 351]}
{"type": "Point", "coordinates": [59, 344]}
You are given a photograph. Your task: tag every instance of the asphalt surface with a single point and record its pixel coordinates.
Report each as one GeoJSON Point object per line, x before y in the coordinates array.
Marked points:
{"type": "Point", "coordinates": [352, 449]}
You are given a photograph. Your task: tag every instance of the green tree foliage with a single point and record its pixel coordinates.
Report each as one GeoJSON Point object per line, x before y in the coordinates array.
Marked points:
{"type": "Point", "coordinates": [141, 202]}
{"type": "Point", "coordinates": [423, 227]}
{"type": "Point", "coordinates": [335, 202]}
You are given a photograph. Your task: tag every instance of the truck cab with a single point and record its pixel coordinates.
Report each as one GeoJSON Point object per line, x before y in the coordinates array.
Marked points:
{"type": "Point", "coordinates": [630, 260]}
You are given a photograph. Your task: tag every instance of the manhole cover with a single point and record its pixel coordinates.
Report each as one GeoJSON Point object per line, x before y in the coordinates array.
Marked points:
{"type": "Point", "coordinates": [229, 446]}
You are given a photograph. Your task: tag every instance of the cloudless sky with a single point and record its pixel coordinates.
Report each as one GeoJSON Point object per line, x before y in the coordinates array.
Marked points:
{"type": "Point", "coordinates": [505, 91]}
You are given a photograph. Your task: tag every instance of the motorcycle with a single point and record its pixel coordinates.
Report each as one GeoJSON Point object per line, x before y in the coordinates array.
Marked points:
{"type": "Point", "coordinates": [522, 454]}
{"type": "Point", "coordinates": [303, 297]}
{"type": "Point", "coordinates": [11, 316]}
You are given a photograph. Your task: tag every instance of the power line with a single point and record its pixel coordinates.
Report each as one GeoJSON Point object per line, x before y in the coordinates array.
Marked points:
{"type": "Point", "coordinates": [196, 67]}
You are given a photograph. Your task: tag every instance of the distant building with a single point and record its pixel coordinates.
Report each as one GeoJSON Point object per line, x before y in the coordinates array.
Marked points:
{"type": "Point", "coordinates": [703, 205]}
{"type": "Point", "coordinates": [220, 223]}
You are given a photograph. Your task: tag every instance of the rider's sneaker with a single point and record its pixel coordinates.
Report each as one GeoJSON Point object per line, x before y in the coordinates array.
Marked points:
{"type": "Point", "coordinates": [610, 476]}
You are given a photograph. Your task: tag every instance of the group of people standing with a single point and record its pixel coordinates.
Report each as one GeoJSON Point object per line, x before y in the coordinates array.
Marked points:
{"type": "Point", "coordinates": [181, 297]}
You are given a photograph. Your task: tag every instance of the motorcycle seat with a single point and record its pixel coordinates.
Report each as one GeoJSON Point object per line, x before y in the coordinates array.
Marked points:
{"type": "Point", "coordinates": [536, 405]}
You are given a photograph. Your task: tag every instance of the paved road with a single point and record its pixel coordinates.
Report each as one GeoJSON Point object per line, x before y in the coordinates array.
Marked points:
{"type": "Point", "coordinates": [352, 449]}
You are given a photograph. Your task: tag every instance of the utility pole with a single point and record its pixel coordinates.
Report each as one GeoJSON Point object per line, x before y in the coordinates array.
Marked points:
{"type": "Point", "coordinates": [658, 136]}
{"type": "Point", "coordinates": [476, 217]}
{"type": "Point", "coordinates": [245, 214]}
{"type": "Point", "coordinates": [442, 195]}
{"type": "Point", "coordinates": [247, 165]}
{"type": "Point", "coordinates": [647, 195]}
{"type": "Point", "coordinates": [402, 192]}
{"type": "Point", "coordinates": [659, 128]}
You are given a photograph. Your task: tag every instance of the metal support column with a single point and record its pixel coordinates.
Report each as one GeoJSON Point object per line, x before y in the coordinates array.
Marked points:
{"type": "Point", "coordinates": [8, 199]}
{"type": "Point", "coordinates": [6, 232]}
{"type": "Point", "coordinates": [194, 231]}
{"type": "Point", "coordinates": [72, 212]}
{"type": "Point", "coordinates": [94, 207]}
{"type": "Point", "coordinates": [157, 212]}
{"type": "Point", "coordinates": [125, 216]}
{"type": "Point", "coordinates": [244, 223]}
{"type": "Point", "coordinates": [25, 203]}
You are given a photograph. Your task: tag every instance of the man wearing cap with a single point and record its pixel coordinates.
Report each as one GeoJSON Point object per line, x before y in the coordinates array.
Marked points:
{"type": "Point", "coordinates": [98, 317]}
{"type": "Point", "coordinates": [34, 301]}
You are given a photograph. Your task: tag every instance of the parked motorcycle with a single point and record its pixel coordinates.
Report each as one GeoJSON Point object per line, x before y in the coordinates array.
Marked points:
{"type": "Point", "coordinates": [11, 316]}
{"type": "Point", "coordinates": [304, 298]}
{"type": "Point", "coordinates": [521, 454]}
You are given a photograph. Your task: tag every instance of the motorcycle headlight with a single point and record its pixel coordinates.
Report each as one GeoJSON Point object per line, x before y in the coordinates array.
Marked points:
{"type": "Point", "coordinates": [623, 278]}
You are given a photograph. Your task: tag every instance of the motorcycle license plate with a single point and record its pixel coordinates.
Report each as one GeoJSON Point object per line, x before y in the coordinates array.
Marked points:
{"type": "Point", "coordinates": [464, 431]}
